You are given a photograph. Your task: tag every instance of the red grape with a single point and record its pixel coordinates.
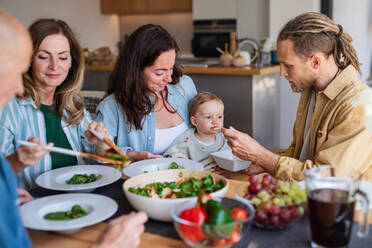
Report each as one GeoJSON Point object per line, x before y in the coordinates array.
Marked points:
{"type": "Point", "coordinates": [285, 215]}
{"type": "Point", "coordinates": [249, 196]}
{"type": "Point", "coordinates": [255, 188]}
{"type": "Point", "coordinates": [275, 221]}
{"type": "Point", "coordinates": [266, 181]}
{"type": "Point", "coordinates": [253, 179]}
{"type": "Point", "coordinates": [275, 210]}
{"type": "Point", "coordinates": [268, 178]}
{"type": "Point", "coordinates": [266, 206]}
{"type": "Point", "coordinates": [261, 217]}
{"type": "Point", "coordinates": [295, 213]}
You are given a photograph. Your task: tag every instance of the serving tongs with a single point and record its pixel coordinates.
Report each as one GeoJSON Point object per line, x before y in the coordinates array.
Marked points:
{"type": "Point", "coordinates": [109, 143]}
{"type": "Point", "coordinates": [76, 153]}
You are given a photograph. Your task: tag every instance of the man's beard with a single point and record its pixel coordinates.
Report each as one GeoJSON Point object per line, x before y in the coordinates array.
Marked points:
{"type": "Point", "coordinates": [295, 88]}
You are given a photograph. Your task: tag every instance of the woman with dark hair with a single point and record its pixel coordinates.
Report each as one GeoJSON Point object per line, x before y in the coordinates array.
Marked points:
{"type": "Point", "coordinates": [145, 107]}
{"type": "Point", "coordinates": [50, 107]}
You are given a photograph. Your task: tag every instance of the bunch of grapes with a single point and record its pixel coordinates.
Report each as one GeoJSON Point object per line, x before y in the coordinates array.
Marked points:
{"type": "Point", "coordinates": [276, 202]}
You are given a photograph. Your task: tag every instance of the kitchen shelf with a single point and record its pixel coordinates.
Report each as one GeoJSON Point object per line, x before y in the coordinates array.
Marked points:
{"type": "Point", "coordinates": [251, 70]}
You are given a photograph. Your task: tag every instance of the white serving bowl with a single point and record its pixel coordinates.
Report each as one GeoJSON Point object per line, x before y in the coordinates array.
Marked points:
{"type": "Point", "coordinates": [156, 164]}
{"type": "Point", "coordinates": [159, 209]}
{"type": "Point", "coordinates": [226, 160]}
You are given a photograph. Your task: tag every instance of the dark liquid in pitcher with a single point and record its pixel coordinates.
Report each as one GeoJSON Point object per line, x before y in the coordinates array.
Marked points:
{"type": "Point", "coordinates": [331, 215]}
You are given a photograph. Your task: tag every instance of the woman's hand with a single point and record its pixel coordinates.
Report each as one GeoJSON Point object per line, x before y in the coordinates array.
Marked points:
{"type": "Point", "coordinates": [247, 148]}
{"type": "Point", "coordinates": [142, 155]}
{"type": "Point", "coordinates": [23, 196]}
{"type": "Point", "coordinates": [27, 155]}
{"type": "Point", "coordinates": [124, 231]}
{"type": "Point", "coordinates": [100, 128]}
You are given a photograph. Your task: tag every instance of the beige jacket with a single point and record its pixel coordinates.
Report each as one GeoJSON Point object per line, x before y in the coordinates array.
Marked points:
{"type": "Point", "coordinates": [337, 135]}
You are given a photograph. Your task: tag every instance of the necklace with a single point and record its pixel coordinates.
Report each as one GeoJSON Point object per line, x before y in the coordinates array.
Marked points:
{"type": "Point", "coordinates": [338, 70]}
{"type": "Point", "coordinates": [320, 89]}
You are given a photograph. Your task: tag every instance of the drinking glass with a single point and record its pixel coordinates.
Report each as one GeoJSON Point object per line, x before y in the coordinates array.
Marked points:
{"type": "Point", "coordinates": [331, 202]}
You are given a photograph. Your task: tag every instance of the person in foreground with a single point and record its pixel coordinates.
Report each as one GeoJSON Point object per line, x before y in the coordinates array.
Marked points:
{"type": "Point", "coordinates": [197, 143]}
{"type": "Point", "coordinates": [15, 54]}
{"type": "Point", "coordinates": [147, 96]}
{"type": "Point", "coordinates": [50, 107]}
{"type": "Point", "coordinates": [317, 58]}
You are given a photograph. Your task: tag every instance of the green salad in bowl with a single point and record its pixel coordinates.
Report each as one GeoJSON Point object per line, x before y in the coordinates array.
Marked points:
{"type": "Point", "coordinates": [184, 187]}
{"type": "Point", "coordinates": [156, 192]}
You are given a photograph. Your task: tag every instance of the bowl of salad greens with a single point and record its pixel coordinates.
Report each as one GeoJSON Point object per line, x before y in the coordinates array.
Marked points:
{"type": "Point", "coordinates": [157, 192]}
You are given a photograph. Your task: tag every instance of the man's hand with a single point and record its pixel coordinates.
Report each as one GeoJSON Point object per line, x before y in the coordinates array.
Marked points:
{"type": "Point", "coordinates": [23, 196]}
{"type": "Point", "coordinates": [124, 231]}
{"type": "Point", "coordinates": [247, 148]}
{"type": "Point", "coordinates": [142, 155]}
{"type": "Point", "coordinates": [253, 169]}
{"type": "Point", "coordinates": [27, 155]}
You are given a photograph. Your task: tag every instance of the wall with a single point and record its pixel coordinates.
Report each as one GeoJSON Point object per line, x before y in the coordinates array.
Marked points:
{"type": "Point", "coordinates": [179, 25]}
{"type": "Point", "coordinates": [358, 24]}
{"type": "Point", "coordinates": [280, 12]}
{"type": "Point", "coordinates": [83, 16]}
{"type": "Point", "coordinates": [288, 100]}
{"type": "Point", "coordinates": [253, 19]}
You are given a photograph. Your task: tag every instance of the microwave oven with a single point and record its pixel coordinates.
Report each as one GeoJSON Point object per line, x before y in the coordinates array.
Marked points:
{"type": "Point", "coordinates": [210, 34]}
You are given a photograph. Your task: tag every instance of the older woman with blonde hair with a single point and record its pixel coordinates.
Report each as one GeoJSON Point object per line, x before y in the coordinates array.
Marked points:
{"type": "Point", "coordinates": [50, 110]}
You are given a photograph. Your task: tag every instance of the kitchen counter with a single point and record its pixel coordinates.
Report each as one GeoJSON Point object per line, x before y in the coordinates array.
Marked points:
{"type": "Point", "coordinates": [250, 95]}
{"type": "Point", "coordinates": [249, 70]}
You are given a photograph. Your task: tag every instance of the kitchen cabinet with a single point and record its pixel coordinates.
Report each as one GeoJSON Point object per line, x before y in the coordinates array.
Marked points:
{"type": "Point", "coordinates": [145, 6]}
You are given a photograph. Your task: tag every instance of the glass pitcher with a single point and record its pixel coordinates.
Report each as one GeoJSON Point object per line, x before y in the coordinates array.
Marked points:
{"type": "Point", "coordinates": [331, 203]}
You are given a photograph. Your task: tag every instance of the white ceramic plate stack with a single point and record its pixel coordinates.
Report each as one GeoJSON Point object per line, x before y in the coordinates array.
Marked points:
{"type": "Point", "coordinates": [56, 179]}
{"type": "Point", "coordinates": [150, 165]}
{"type": "Point", "coordinates": [98, 207]}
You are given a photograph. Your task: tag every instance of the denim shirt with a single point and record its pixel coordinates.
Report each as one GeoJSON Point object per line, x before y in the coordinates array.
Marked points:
{"type": "Point", "coordinates": [12, 232]}
{"type": "Point", "coordinates": [113, 116]}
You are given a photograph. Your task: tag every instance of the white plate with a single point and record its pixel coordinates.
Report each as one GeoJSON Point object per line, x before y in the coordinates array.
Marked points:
{"type": "Point", "coordinates": [56, 179]}
{"type": "Point", "coordinates": [156, 164]}
{"type": "Point", "coordinates": [99, 208]}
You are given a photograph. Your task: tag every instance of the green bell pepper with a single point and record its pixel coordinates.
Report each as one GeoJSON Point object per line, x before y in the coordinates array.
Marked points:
{"type": "Point", "coordinates": [220, 223]}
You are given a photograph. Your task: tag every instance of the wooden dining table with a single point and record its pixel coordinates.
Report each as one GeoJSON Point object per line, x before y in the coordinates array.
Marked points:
{"type": "Point", "coordinates": [85, 237]}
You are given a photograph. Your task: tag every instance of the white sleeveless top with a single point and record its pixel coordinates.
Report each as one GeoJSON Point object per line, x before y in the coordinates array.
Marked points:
{"type": "Point", "coordinates": [165, 137]}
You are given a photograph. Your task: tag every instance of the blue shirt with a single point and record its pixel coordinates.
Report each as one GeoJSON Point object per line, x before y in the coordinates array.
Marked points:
{"type": "Point", "coordinates": [12, 232]}
{"type": "Point", "coordinates": [113, 116]}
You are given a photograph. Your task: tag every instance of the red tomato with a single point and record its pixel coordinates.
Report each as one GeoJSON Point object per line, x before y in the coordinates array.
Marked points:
{"type": "Point", "coordinates": [196, 215]}
{"type": "Point", "coordinates": [219, 243]}
{"type": "Point", "coordinates": [234, 237]}
{"type": "Point", "coordinates": [239, 214]}
{"type": "Point", "coordinates": [170, 195]}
